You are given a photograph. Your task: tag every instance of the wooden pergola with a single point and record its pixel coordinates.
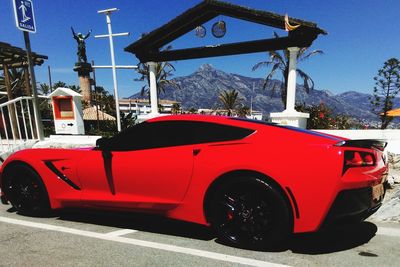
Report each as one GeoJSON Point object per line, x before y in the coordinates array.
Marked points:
{"type": "Point", "coordinates": [148, 49]}
{"type": "Point", "coordinates": [12, 57]}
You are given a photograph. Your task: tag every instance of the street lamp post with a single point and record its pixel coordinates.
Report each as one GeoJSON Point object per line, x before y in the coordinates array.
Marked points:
{"type": "Point", "coordinates": [110, 35]}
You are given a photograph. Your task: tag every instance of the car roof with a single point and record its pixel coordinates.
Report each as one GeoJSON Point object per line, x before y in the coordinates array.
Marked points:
{"type": "Point", "coordinates": [244, 123]}
{"type": "Point", "coordinates": [208, 118]}
{"type": "Point", "coordinates": [190, 117]}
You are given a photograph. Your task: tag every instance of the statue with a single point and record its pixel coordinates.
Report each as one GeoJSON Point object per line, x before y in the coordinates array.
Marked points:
{"type": "Point", "coordinates": [80, 39]}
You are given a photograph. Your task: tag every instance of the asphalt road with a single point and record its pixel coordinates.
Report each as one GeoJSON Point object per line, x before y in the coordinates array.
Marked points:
{"type": "Point", "coordinates": [87, 238]}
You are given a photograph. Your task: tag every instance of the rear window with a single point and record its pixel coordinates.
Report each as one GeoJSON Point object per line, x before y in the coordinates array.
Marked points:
{"type": "Point", "coordinates": [292, 128]}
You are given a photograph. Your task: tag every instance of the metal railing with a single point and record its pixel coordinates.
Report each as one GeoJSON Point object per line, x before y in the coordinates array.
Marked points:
{"type": "Point", "coordinates": [17, 125]}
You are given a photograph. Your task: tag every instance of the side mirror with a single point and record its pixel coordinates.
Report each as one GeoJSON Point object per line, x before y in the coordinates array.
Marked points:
{"type": "Point", "coordinates": [103, 145]}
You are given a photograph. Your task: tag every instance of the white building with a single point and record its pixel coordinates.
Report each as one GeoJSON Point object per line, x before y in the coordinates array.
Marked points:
{"type": "Point", "coordinates": [142, 106]}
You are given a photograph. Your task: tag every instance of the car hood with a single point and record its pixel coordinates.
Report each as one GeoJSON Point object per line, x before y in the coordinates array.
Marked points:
{"type": "Point", "coordinates": [34, 155]}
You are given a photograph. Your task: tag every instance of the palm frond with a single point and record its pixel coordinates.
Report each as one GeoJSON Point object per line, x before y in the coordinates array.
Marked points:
{"type": "Point", "coordinates": [144, 90]}
{"type": "Point", "coordinates": [277, 57]}
{"type": "Point", "coordinates": [261, 65]}
{"type": "Point", "coordinates": [270, 75]}
{"type": "Point", "coordinates": [310, 54]}
{"type": "Point", "coordinates": [308, 83]}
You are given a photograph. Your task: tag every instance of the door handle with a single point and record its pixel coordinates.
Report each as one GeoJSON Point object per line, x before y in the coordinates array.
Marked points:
{"type": "Point", "coordinates": [196, 151]}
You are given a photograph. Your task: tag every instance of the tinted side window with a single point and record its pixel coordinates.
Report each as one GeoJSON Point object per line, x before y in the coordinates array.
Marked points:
{"type": "Point", "coordinates": [174, 133]}
{"type": "Point", "coordinates": [152, 135]}
{"type": "Point", "coordinates": [213, 132]}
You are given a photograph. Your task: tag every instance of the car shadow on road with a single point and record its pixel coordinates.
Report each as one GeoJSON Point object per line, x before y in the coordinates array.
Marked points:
{"type": "Point", "coordinates": [332, 239]}
{"type": "Point", "coordinates": [137, 221]}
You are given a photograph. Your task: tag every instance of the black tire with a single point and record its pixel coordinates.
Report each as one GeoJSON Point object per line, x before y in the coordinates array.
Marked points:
{"type": "Point", "coordinates": [248, 212]}
{"type": "Point", "coordinates": [25, 190]}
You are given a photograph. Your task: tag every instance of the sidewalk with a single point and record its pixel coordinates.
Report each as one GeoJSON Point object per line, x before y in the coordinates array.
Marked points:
{"type": "Point", "coordinates": [67, 141]}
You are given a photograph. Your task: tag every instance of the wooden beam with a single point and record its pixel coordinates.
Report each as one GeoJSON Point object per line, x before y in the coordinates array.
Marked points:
{"type": "Point", "coordinates": [174, 29]}
{"type": "Point", "coordinates": [27, 81]}
{"type": "Point", "coordinates": [225, 49]}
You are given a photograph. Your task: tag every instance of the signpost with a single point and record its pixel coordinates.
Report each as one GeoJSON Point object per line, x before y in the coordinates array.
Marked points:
{"type": "Point", "coordinates": [25, 21]}
{"type": "Point", "coordinates": [24, 15]}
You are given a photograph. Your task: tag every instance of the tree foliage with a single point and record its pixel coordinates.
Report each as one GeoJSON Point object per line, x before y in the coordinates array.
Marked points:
{"type": "Point", "coordinates": [230, 100]}
{"type": "Point", "coordinates": [322, 117]}
{"type": "Point", "coordinates": [59, 84]}
{"type": "Point", "coordinates": [164, 72]}
{"type": "Point", "coordinates": [387, 86]}
{"type": "Point", "coordinates": [279, 62]}
{"type": "Point", "coordinates": [44, 89]}
{"type": "Point", "coordinates": [104, 100]}
{"type": "Point", "coordinates": [176, 108]}
{"type": "Point", "coordinates": [243, 111]}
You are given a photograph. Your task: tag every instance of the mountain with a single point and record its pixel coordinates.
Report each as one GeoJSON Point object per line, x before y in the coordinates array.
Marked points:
{"type": "Point", "coordinates": [201, 89]}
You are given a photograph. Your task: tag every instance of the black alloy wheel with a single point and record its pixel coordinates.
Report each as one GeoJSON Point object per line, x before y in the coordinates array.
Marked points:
{"type": "Point", "coordinates": [251, 213]}
{"type": "Point", "coordinates": [25, 190]}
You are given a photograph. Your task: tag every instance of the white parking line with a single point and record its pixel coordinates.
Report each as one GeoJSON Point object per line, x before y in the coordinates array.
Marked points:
{"type": "Point", "coordinates": [394, 232]}
{"type": "Point", "coordinates": [121, 232]}
{"type": "Point", "coordinates": [142, 243]}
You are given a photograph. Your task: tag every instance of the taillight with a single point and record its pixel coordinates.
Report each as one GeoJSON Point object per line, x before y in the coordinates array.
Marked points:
{"type": "Point", "coordinates": [358, 159]}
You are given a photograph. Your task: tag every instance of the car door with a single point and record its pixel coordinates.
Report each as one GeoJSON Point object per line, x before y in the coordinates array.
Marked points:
{"type": "Point", "coordinates": [148, 166]}
{"type": "Point", "coordinates": [152, 178]}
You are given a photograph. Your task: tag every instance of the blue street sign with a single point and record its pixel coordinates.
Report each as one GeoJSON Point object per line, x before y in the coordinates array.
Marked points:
{"type": "Point", "coordinates": [24, 15]}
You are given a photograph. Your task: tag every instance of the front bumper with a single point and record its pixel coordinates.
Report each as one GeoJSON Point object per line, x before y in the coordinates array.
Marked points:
{"type": "Point", "coordinates": [355, 205]}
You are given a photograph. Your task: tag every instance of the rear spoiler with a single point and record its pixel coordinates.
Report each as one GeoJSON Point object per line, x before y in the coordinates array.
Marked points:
{"type": "Point", "coordinates": [364, 143]}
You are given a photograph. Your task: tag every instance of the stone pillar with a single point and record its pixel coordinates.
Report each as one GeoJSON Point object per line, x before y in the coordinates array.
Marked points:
{"type": "Point", "coordinates": [153, 88]}
{"type": "Point", "coordinates": [290, 116]}
{"type": "Point", "coordinates": [84, 69]}
{"type": "Point", "coordinates": [291, 85]}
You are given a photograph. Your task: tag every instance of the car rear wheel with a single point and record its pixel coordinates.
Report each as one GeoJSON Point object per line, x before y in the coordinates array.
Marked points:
{"type": "Point", "coordinates": [25, 190]}
{"type": "Point", "coordinates": [250, 212]}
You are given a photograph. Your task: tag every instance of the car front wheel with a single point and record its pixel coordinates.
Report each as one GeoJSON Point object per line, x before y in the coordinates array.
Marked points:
{"type": "Point", "coordinates": [25, 190]}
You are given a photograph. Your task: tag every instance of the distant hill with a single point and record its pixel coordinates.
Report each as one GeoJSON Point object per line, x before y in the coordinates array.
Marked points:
{"type": "Point", "coordinates": [201, 89]}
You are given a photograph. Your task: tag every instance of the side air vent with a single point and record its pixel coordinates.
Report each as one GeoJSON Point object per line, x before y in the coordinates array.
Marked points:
{"type": "Point", "coordinates": [62, 176]}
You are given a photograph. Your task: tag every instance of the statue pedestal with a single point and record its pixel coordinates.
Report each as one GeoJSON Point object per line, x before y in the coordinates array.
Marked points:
{"type": "Point", "coordinates": [84, 69]}
{"type": "Point", "coordinates": [292, 118]}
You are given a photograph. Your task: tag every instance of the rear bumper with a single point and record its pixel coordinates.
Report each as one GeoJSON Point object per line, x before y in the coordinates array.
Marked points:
{"type": "Point", "coordinates": [354, 205]}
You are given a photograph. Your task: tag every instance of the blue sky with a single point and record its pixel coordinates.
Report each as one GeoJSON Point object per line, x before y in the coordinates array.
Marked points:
{"type": "Point", "coordinates": [362, 35]}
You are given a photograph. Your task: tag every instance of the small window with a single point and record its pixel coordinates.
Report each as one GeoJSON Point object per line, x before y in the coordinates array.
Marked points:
{"type": "Point", "coordinates": [63, 107]}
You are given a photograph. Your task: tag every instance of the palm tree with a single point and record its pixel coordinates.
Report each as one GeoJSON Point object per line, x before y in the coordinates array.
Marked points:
{"type": "Point", "coordinates": [243, 111]}
{"type": "Point", "coordinates": [176, 108]}
{"type": "Point", "coordinates": [105, 101]}
{"type": "Point", "coordinates": [164, 71]}
{"type": "Point", "coordinates": [280, 62]}
{"type": "Point", "coordinates": [44, 88]}
{"type": "Point", "coordinates": [59, 84]}
{"type": "Point", "coordinates": [229, 100]}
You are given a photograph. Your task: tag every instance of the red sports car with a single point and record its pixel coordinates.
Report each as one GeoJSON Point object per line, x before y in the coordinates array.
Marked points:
{"type": "Point", "coordinates": [254, 182]}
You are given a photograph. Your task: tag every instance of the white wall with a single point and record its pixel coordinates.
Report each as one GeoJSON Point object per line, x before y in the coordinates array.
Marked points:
{"type": "Point", "coordinates": [391, 136]}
